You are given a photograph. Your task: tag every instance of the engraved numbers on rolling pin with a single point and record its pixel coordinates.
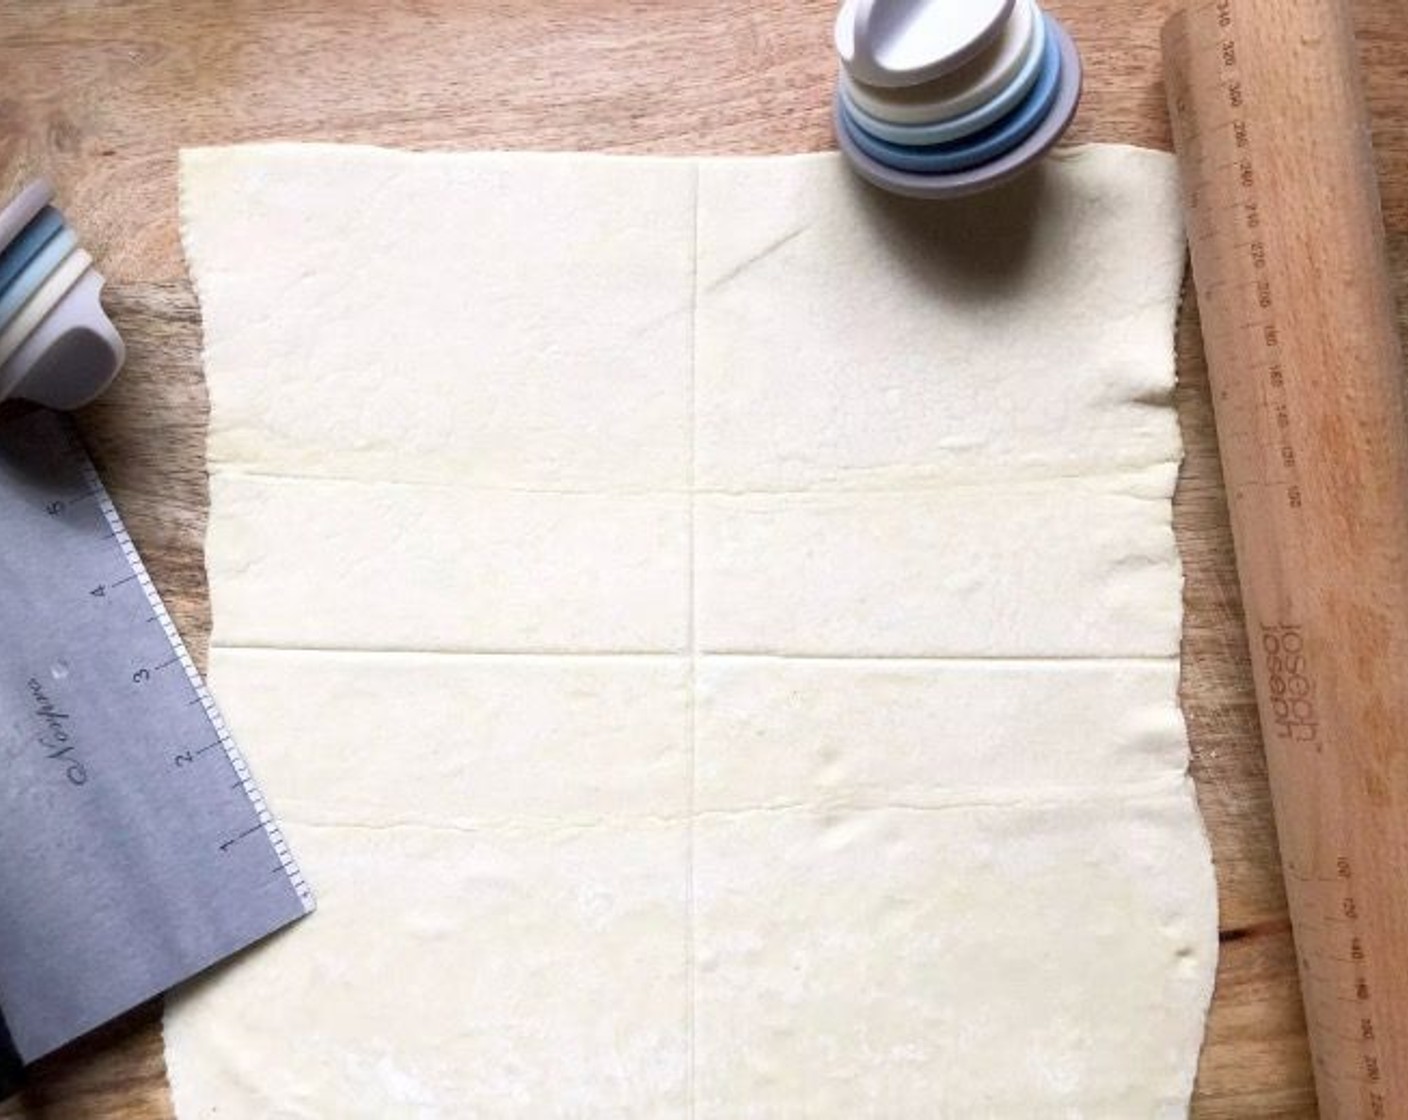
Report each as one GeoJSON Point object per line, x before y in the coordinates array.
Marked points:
{"type": "Point", "coordinates": [1233, 228]}
{"type": "Point", "coordinates": [1333, 952]}
{"type": "Point", "coordinates": [1262, 344]}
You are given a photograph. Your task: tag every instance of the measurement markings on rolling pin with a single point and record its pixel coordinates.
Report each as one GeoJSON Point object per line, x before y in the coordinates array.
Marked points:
{"type": "Point", "coordinates": [1289, 679]}
{"type": "Point", "coordinates": [1250, 260]}
{"type": "Point", "coordinates": [1233, 233]}
{"type": "Point", "coordinates": [1335, 951]}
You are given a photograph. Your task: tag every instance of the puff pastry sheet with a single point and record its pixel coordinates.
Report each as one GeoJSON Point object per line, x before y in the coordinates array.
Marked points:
{"type": "Point", "coordinates": [710, 633]}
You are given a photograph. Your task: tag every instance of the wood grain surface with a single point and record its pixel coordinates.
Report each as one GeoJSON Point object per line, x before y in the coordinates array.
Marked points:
{"type": "Point", "coordinates": [100, 96]}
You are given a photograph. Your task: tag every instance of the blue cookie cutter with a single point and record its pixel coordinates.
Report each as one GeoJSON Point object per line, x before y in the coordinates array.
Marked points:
{"type": "Point", "coordinates": [35, 273]}
{"type": "Point", "coordinates": [26, 246]}
{"type": "Point", "coordinates": [965, 124]}
{"type": "Point", "coordinates": [982, 147]}
{"type": "Point", "coordinates": [985, 176]}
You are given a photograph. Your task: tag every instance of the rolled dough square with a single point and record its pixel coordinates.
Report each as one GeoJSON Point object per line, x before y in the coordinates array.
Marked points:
{"type": "Point", "coordinates": [779, 731]}
{"type": "Point", "coordinates": [394, 344]}
{"type": "Point", "coordinates": [965, 571]}
{"type": "Point", "coordinates": [711, 633]}
{"type": "Point", "coordinates": [916, 344]}
{"type": "Point", "coordinates": [458, 973]}
{"type": "Point", "coordinates": [334, 564]}
{"type": "Point", "coordinates": [481, 741]}
{"type": "Point", "coordinates": [920, 963]}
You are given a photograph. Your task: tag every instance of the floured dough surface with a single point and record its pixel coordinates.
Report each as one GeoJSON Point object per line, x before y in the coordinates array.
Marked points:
{"type": "Point", "coordinates": [710, 634]}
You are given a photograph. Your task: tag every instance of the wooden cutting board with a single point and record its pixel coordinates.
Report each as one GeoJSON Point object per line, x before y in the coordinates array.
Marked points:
{"type": "Point", "coordinates": [101, 97]}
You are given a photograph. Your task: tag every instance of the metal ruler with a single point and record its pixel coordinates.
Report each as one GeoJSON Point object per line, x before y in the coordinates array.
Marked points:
{"type": "Point", "coordinates": [135, 848]}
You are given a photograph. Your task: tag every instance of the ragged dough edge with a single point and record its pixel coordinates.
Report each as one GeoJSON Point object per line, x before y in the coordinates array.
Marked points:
{"type": "Point", "coordinates": [1158, 171]}
{"type": "Point", "coordinates": [1206, 962]}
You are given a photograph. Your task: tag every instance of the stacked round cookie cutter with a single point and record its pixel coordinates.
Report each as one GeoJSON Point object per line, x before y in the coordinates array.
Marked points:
{"type": "Point", "coordinates": [941, 98]}
{"type": "Point", "coordinates": [57, 345]}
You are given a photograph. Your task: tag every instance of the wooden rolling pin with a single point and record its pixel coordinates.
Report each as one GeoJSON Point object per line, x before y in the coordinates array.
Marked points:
{"type": "Point", "coordinates": [1308, 389]}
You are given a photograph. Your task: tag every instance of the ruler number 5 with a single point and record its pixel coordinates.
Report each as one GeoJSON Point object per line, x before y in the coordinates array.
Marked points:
{"type": "Point", "coordinates": [141, 676]}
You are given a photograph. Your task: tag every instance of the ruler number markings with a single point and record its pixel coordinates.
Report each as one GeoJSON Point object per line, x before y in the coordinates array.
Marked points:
{"type": "Point", "coordinates": [145, 676]}
{"type": "Point", "coordinates": [188, 757]}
